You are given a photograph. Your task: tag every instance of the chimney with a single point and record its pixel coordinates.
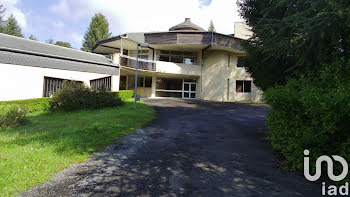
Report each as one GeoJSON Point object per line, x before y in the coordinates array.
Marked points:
{"type": "Point", "coordinates": [188, 19]}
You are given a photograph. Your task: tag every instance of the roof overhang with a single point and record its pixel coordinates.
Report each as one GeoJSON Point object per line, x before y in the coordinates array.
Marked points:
{"type": "Point", "coordinates": [174, 40]}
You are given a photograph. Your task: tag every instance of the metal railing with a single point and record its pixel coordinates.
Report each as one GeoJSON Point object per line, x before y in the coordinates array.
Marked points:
{"type": "Point", "coordinates": [128, 61]}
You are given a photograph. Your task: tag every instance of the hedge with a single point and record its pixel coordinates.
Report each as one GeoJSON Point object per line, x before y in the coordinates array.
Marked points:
{"type": "Point", "coordinates": [124, 94]}
{"type": "Point", "coordinates": [311, 113]}
{"type": "Point", "coordinates": [30, 105]}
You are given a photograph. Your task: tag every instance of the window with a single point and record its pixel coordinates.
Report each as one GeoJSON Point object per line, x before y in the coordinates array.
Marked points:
{"type": "Point", "coordinates": [143, 54]}
{"type": "Point", "coordinates": [183, 57]}
{"type": "Point", "coordinates": [148, 82]}
{"type": "Point", "coordinates": [52, 85]}
{"type": "Point", "coordinates": [243, 86]}
{"type": "Point", "coordinates": [144, 82]}
{"type": "Point", "coordinates": [240, 62]}
{"type": "Point", "coordinates": [98, 83]}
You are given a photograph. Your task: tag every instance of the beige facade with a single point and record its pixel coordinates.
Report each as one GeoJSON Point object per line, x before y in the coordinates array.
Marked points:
{"type": "Point", "coordinates": [220, 70]}
{"type": "Point", "coordinates": [184, 62]}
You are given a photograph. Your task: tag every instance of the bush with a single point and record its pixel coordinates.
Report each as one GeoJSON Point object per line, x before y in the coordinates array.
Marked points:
{"type": "Point", "coordinates": [74, 96]}
{"type": "Point", "coordinates": [30, 105]}
{"type": "Point", "coordinates": [11, 115]}
{"type": "Point", "coordinates": [124, 94]}
{"type": "Point", "coordinates": [311, 113]}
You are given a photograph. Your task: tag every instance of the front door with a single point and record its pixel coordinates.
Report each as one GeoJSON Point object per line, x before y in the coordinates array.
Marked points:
{"type": "Point", "coordinates": [190, 90]}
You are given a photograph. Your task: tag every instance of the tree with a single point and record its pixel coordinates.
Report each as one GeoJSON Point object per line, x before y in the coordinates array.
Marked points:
{"type": "Point", "coordinates": [97, 30]}
{"type": "Point", "coordinates": [211, 27]}
{"type": "Point", "coordinates": [2, 10]}
{"type": "Point", "coordinates": [293, 38]}
{"type": "Point", "coordinates": [50, 41]}
{"type": "Point", "coordinates": [32, 37]}
{"type": "Point", "coordinates": [12, 27]}
{"type": "Point", "coordinates": [63, 44]}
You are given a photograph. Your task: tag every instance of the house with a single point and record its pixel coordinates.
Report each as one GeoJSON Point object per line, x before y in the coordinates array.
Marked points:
{"type": "Point", "coordinates": [184, 62]}
{"type": "Point", "coordinates": [31, 69]}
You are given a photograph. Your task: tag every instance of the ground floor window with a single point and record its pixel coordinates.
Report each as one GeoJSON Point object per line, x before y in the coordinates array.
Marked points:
{"type": "Point", "coordinates": [101, 82]}
{"type": "Point", "coordinates": [52, 85]}
{"type": "Point", "coordinates": [243, 86]}
{"type": "Point", "coordinates": [144, 82]}
{"type": "Point", "coordinates": [176, 87]}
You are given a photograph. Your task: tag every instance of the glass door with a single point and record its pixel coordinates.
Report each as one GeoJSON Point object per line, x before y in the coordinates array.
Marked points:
{"type": "Point", "coordinates": [190, 90]}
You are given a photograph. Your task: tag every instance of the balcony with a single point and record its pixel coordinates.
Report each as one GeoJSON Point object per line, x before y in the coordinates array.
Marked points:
{"type": "Point", "coordinates": [130, 62]}
{"type": "Point", "coordinates": [161, 67]}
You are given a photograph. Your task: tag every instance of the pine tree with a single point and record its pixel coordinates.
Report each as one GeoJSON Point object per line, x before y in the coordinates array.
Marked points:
{"type": "Point", "coordinates": [32, 37]}
{"type": "Point", "coordinates": [97, 30]}
{"type": "Point", "coordinates": [211, 27]}
{"type": "Point", "coordinates": [63, 44]}
{"type": "Point", "coordinates": [12, 27]}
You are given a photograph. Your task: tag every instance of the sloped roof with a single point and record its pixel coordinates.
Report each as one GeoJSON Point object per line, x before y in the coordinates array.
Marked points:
{"type": "Point", "coordinates": [21, 51]}
{"type": "Point", "coordinates": [186, 25]}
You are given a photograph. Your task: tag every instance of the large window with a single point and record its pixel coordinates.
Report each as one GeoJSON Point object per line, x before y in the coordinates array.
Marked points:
{"type": "Point", "coordinates": [145, 82]}
{"type": "Point", "coordinates": [102, 82]}
{"type": "Point", "coordinates": [143, 54]}
{"type": "Point", "coordinates": [52, 85]}
{"type": "Point", "coordinates": [183, 57]}
{"type": "Point", "coordinates": [243, 86]}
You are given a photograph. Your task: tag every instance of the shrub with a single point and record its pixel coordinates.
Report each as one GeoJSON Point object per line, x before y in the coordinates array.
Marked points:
{"type": "Point", "coordinates": [124, 94]}
{"type": "Point", "coordinates": [30, 105]}
{"type": "Point", "coordinates": [74, 96]}
{"type": "Point", "coordinates": [311, 113]}
{"type": "Point", "coordinates": [11, 115]}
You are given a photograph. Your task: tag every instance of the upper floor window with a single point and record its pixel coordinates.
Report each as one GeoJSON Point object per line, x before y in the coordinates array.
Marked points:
{"type": "Point", "coordinates": [240, 62]}
{"type": "Point", "coordinates": [143, 54]}
{"type": "Point", "coordinates": [183, 57]}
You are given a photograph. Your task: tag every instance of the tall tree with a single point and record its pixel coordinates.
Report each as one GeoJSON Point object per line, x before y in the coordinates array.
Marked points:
{"type": "Point", "coordinates": [293, 38]}
{"type": "Point", "coordinates": [32, 37]}
{"type": "Point", "coordinates": [50, 41]}
{"type": "Point", "coordinates": [12, 27]}
{"type": "Point", "coordinates": [211, 27]}
{"type": "Point", "coordinates": [97, 30]}
{"type": "Point", "coordinates": [63, 44]}
{"type": "Point", "coordinates": [2, 10]}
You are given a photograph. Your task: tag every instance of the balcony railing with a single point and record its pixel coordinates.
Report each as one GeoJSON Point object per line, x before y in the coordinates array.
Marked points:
{"type": "Point", "coordinates": [128, 61]}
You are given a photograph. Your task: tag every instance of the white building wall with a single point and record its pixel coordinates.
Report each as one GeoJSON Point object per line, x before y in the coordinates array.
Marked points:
{"type": "Point", "coordinates": [25, 82]}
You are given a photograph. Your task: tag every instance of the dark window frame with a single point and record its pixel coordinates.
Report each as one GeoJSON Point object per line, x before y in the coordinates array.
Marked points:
{"type": "Point", "coordinates": [246, 86]}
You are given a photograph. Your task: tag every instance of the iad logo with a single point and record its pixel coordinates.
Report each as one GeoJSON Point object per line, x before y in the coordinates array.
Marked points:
{"type": "Point", "coordinates": [329, 167]}
{"type": "Point", "coordinates": [331, 190]}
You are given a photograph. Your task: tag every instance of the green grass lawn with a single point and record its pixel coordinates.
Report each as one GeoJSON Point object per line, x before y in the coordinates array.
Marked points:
{"type": "Point", "coordinates": [50, 141]}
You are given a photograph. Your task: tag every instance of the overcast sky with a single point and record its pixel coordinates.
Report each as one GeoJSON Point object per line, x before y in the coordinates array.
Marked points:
{"type": "Point", "coordinates": [67, 20]}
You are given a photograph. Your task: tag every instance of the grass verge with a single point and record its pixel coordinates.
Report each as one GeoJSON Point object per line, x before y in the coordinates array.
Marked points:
{"type": "Point", "coordinates": [51, 141]}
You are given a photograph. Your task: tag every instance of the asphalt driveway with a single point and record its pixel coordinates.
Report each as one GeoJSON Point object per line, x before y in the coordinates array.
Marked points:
{"type": "Point", "coordinates": [193, 148]}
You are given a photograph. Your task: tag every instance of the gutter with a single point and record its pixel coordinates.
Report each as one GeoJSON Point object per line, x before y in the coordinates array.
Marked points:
{"type": "Point", "coordinates": [203, 55]}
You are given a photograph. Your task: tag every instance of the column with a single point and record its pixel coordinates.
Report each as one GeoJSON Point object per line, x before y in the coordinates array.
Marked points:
{"type": "Point", "coordinates": [154, 79]}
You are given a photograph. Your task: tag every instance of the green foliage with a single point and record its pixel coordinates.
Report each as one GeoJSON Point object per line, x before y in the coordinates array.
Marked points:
{"type": "Point", "coordinates": [124, 95]}
{"type": "Point", "coordinates": [12, 27]}
{"type": "Point", "coordinates": [51, 141]}
{"type": "Point", "coordinates": [211, 27]}
{"type": "Point", "coordinates": [74, 96]}
{"type": "Point", "coordinates": [11, 116]}
{"type": "Point", "coordinates": [30, 105]}
{"type": "Point", "coordinates": [292, 38]}
{"type": "Point", "coordinates": [311, 113]}
{"type": "Point", "coordinates": [50, 41]}
{"type": "Point", "coordinates": [63, 44]}
{"type": "Point", "coordinates": [97, 30]}
{"type": "Point", "coordinates": [32, 37]}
